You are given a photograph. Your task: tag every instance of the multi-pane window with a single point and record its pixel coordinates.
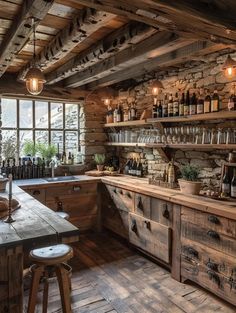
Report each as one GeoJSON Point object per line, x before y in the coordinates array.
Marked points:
{"type": "Point", "coordinates": [41, 121]}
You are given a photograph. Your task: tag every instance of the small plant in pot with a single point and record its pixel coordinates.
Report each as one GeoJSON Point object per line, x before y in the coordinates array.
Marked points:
{"type": "Point", "coordinates": [100, 161]}
{"type": "Point", "coordinates": [189, 183]}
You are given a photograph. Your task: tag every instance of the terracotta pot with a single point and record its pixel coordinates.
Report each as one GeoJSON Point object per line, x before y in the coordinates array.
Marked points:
{"type": "Point", "coordinates": [100, 167]}
{"type": "Point", "coordinates": [190, 187]}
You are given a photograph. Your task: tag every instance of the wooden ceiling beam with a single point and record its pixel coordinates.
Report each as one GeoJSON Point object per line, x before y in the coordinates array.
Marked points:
{"type": "Point", "coordinates": [169, 59]}
{"type": "Point", "coordinates": [157, 44]}
{"type": "Point", "coordinates": [82, 26]}
{"type": "Point", "coordinates": [21, 29]}
{"type": "Point", "coordinates": [118, 40]}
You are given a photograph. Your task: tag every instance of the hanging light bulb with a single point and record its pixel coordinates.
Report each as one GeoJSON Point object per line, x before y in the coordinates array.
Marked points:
{"type": "Point", "coordinates": [229, 67]}
{"type": "Point", "coordinates": [34, 78]}
{"type": "Point", "coordinates": [156, 89]}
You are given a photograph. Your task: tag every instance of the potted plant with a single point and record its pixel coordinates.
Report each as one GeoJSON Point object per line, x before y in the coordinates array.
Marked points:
{"type": "Point", "coordinates": [189, 184]}
{"type": "Point", "coordinates": [100, 161]}
{"type": "Point", "coordinates": [47, 151]}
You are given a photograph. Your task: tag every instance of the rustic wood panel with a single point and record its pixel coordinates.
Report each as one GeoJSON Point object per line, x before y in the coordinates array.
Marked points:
{"type": "Point", "coordinates": [176, 243]}
{"type": "Point", "coordinates": [161, 211]}
{"type": "Point", "coordinates": [123, 199]}
{"type": "Point", "coordinates": [142, 205]}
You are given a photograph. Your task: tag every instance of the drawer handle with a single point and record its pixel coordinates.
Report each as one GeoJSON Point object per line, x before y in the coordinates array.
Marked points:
{"type": "Point", "coordinates": [165, 212]}
{"type": "Point", "coordinates": [121, 192]}
{"type": "Point", "coordinates": [140, 205]}
{"type": "Point", "coordinates": [192, 252]}
{"type": "Point", "coordinates": [214, 277]}
{"type": "Point", "coordinates": [212, 266]}
{"type": "Point", "coordinates": [76, 188]}
{"type": "Point", "coordinates": [134, 226]}
{"type": "Point", "coordinates": [147, 224]}
{"type": "Point", "coordinates": [213, 234]}
{"type": "Point", "coordinates": [36, 192]}
{"type": "Point", "coordinates": [213, 219]}
{"type": "Point", "coordinates": [114, 190]}
{"type": "Point", "coordinates": [128, 194]}
{"type": "Point", "coordinates": [59, 206]}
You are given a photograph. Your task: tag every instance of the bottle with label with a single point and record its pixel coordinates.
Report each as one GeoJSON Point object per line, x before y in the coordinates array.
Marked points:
{"type": "Point", "coordinates": [176, 105]}
{"type": "Point", "coordinates": [215, 102]}
{"type": "Point", "coordinates": [233, 185]}
{"type": "Point", "coordinates": [154, 110]}
{"type": "Point", "coordinates": [232, 100]}
{"type": "Point", "coordinates": [171, 173]}
{"type": "Point", "coordinates": [200, 103]}
{"type": "Point", "coordinates": [129, 113]}
{"type": "Point", "coordinates": [193, 105]}
{"type": "Point", "coordinates": [115, 115]}
{"type": "Point", "coordinates": [181, 105]}
{"type": "Point", "coordinates": [165, 107]}
{"type": "Point", "coordinates": [170, 106]}
{"type": "Point", "coordinates": [226, 183]}
{"type": "Point", "coordinates": [133, 113]}
{"type": "Point", "coordinates": [139, 169]}
{"type": "Point", "coordinates": [159, 109]}
{"type": "Point", "coordinates": [126, 115]}
{"type": "Point", "coordinates": [187, 104]}
{"type": "Point", "coordinates": [207, 102]}
{"type": "Point", "coordinates": [119, 114]}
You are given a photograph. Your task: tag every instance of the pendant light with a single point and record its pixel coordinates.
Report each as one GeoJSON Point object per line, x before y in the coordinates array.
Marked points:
{"type": "Point", "coordinates": [229, 67]}
{"type": "Point", "coordinates": [34, 78]}
{"type": "Point", "coordinates": [156, 89]}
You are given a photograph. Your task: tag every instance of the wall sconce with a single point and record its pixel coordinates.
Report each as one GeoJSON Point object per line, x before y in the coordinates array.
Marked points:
{"type": "Point", "coordinates": [156, 89]}
{"type": "Point", "coordinates": [229, 67]}
{"type": "Point", "coordinates": [107, 95]}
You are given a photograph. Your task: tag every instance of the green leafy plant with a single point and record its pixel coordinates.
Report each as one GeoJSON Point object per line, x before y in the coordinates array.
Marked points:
{"type": "Point", "coordinates": [190, 172]}
{"type": "Point", "coordinates": [30, 148]}
{"type": "Point", "coordinates": [99, 158]}
{"type": "Point", "coordinates": [47, 151]}
{"type": "Point", "coordinates": [9, 147]}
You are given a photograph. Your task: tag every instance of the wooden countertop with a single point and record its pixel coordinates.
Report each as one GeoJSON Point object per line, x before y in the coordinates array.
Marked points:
{"type": "Point", "coordinates": [35, 224]}
{"type": "Point", "coordinates": [222, 208]}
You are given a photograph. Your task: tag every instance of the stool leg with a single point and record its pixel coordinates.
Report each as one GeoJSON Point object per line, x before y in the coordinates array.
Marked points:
{"type": "Point", "coordinates": [62, 276]}
{"type": "Point", "coordinates": [36, 274]}
{"type": "Point", "coordinates": [45, 294]}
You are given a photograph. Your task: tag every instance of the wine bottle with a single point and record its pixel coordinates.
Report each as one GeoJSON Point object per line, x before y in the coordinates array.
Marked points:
{"type": "Point", "coordinates": [200, 103]}
{"type": "Point", "coordinates": [133, 112]}
{"type": "Point", "coordinates": [170, 106]}
{"type": "Point", "coordinates": [134, 167]}
{"type": "Point", "coordinates": [119, 114]}
{"type": "Point", "coordinates": [69, 158]}
{"type": "Point", "coordinates": [186, 104]}
{"type": "Point", "coordinates": [130, 167]}
{"type": "Point", "coordinates": [233, 185]}
{"type": "Point", "coordinates": [181, 105]}
{"type": "Point", "coordinates": [226, 183]}
{"type": "Point", "coordinates": [127, 167]}
{"type": "Point", "coordinates": [154, 110]}
{"type": "Point", "coordinates": [193, 105]}
{"type": "Point", "coordinates": [215, 102]}
{"type": "Point", "coordinates": [165, 107]}
{"type": "Point", "coordinates": [176, 105]}
{"type": "Point", "coordinates": [159, 109]}
{"type": "Point", "coordinates": [139, 169]}
{"type": "Point", "coordinates": [232, 100]}
{"type": "Point", "coordinates": [207, 102]}
{"type": "Point", "coordinates": [115, 115]}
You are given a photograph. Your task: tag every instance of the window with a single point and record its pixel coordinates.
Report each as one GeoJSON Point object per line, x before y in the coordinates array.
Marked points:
{"type": "Point", "coordinates": [41, 121]}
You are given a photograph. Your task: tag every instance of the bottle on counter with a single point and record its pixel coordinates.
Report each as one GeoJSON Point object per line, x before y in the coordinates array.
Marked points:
{"type": "Point", "coordinates": [187, 104]}
{"type": "Point", "coordinates": [171, 173]}
{"type": "Point", "coordinates": [109, 118]}
{"type": "Point", "coordinates": [226, 183]}
{"type": "Point", "coordinates": [215, 102]}
{"type": "Point", "coordinates": [200, 103]}
{"type": "Point", "coordinates": [69, 161]}
{"type": "Point", "coordinates": [126, 115]}
{"type": "Point", "coordinates": [181, 105]}
{"type": "Point", "coordinates": [170, 106]}
{"type": "Point", "coordinates": [127, 167]}
{"type": "Point", "coordinates": [207, 102]}
{"type": "Point", "coordinates": [193, 105]}
{"type": "Point", "coordinates": [134, 167]}
{"type": "Point", "coordinates": [233, 185]}
{"type": "Point", "coordinates": [154, 110]}
{"type": "Point", "coordinates": [165, 107]}
{"type": "Point", "coordinates": [176, 105]}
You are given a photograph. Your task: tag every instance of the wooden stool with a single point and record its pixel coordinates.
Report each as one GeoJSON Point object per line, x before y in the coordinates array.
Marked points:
{"type": "Point", "coordinates": [47, 261]}
{"type": "Point", "coordinates": [64, 215]}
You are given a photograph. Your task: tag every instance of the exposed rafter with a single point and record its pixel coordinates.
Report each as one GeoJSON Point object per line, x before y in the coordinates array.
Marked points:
{"type": "Point", "coordinates": [120, 39]}
{"type": "Point", "coordinates": [21, 29]}
{"type": "Point", "coordinates": [157, 44]}
{"type": "Point", "coordinates": [83, 25]}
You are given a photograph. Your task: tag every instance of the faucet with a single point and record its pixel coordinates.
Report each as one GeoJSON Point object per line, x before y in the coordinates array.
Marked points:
{"type": "Point", "coordinates": [52, 164]}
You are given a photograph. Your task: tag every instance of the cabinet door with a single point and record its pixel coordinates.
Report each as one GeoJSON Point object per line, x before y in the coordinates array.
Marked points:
{"type": "Point", "coordinates": [162, 211]}
{"type": "Point", "coordinates": [122, 198]}
{"type": "Point", "coordinates": [150, 236]}
{"type": "Point", "coordinates": [142, 205]}
{"type": "Point", "coordinates": [38, 193]}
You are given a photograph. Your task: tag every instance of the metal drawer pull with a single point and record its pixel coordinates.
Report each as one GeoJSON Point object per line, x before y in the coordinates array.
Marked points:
{"type": "Point", "coordinates": [166, 213]}
{"type": "Point", "coordinates": [214, 277]}
{"type": "Point", "coordinates": [213, 234]}
{"type": "Point", "coordinates": [128, 194]}
{"type": "Point", "coordinates": [140, 205]}
{"type": "Point", "coordinates": [147, 224]}
{"type": "Point", "coordinates": [121, 192]}
{"type": "Point", "coordinates": [192, 252]}
{"type": "Point", "coordinates": [213, 219]}
{"type": "Point", "coordinates": [114, 190]}
{"type": "Point", "coordinates": [76, 188]}
{"type": "Point", "coordinates": [36, 192]}
{"type": "Point", "coordinates": [213, 266]}
{"type": "Point", "coordinates": [134, 226]}
{"type": "Point", "coordinates": [59, 206]}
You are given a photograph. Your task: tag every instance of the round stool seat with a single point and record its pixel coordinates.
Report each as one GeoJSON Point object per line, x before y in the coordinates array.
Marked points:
{"type": "Point", "coordinates": [64, 215]}
{"type": "Point", "coordinates": [52, 255]}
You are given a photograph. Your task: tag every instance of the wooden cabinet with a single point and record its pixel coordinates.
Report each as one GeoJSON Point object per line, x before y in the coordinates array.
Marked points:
{"type": "Point", "coordinates": [161, 211]}
{"type": "Point", "coordinates": [208, 252]}
{"type": "Point", "coordinates": [142, 205]}
{"type": "Point", "coordinates": [38, 193]}
{"type": "Point", "coordinates": [122, 198]}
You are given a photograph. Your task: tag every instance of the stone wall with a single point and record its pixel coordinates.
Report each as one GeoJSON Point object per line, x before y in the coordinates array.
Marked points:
{"type": "Point", "coordinates": [192, 76]}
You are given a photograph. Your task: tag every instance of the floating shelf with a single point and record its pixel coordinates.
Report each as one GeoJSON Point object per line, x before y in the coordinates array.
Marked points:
{"type": "Point", "coordinates": [174, 146]}
{"type": "Point", "coordinates": [136, 123]}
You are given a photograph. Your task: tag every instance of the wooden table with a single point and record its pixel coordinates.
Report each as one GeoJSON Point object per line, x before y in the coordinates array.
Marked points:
{"type": "Point", "coordinates": [35, 225]}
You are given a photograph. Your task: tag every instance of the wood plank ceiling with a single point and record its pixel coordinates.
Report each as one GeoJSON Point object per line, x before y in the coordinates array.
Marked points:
{"type": "Point", "coordinates": [91, 43]}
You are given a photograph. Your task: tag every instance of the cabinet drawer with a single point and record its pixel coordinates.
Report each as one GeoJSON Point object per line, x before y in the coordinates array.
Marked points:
{"type": "Point", "coordinates": [216, 223]}
{"type": "Point", "coordinates": [142, 205]}
{"type": "Point", "coordinates": [122, 198]}
{"type": "Point", "coordinates": [161, 211]}
{"type": "Point", "coordinates": [208, 237]}
{"type": "Point", "coordinates": [150, 236]}
{"type": "Point", "coordinates": [215, 282]}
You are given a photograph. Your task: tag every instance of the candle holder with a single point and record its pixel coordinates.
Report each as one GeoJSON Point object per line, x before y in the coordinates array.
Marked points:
{"type": "Point", "coordinates": [9, 219]}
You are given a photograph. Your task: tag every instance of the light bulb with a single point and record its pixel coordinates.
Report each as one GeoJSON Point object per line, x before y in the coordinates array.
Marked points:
{"type": "Point", "coordinates": [229, 72]}
{"type": "Point", "coordinates": [155, 91]}
{"type": "Point", "coordinates": [107, 101]}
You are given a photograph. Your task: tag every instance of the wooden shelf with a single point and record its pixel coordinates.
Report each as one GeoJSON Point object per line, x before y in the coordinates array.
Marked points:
{"type": "Point", "coordinates": [197, 117]}
{"type": "Point", "coordinates": [174, 146]}
{"type": "Point", "coordinates": [128, 124]}
{"type": "Point", "coordinates": [229, 164]}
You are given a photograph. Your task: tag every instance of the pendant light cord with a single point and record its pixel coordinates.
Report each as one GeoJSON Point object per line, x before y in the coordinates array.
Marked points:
{"type": "Point", "coordinates": [34, 41]}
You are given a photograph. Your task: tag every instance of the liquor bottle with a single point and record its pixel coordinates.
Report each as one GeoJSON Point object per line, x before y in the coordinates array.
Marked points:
{"type": "Point", "coordinates": [126, 115]}
{"type": "Point", "coordinates": [207, 102]}
{"type": "Point", "coordinates": [139, 169]}
{"type": "Point", "coordinates": [115, 115]}
{"type": "Point", "coordinates": [43, 168]}
{"type": "Point", "coordinates": [226, 183]}
{"type": "Point", "coordinates": [72, 159]}
{"type": "Point", "coordinates": [215, 102]}
{"type": "Point", "coordinates": [129, 113]}
{"type": "Point", "coordinates": [119, 114]}
{"type": "Point", "coordinates": [193, 105]}
{"type": "Point", "coordinates": [165, 107]}
{"type": "Point", "coordinates": [63, 161]}
{"type": "Point", "coordinates": [176, 105]}
{"type": "Point", "coordinates": [186, 104]}
{"type": "Point", "coordinates": [159, 109]}
{"type": "Point", "coordinates": [127, 167]}
{"type": "Point", "coordinates": [170, 106]}
{"type": "Point", "coordinates": [134, 167]}
{"type": "Point", "coordinates": [171, 173]}
{"type": "Point", "coordinates": [232, 100]}
{"type": "Point", "coordinates": [200, 103]}
{"type": "Point", "coordinates": [233, 185]}
{"type": "Point", "coordinates": [181, 105]}
{"type": "Point", "coordinates": [3, 168]}
{"type": "Point", "coordinates": [133, 112]}
{"type": "Point", "coordinates": [130, 167]}
{"type": "Point", "coordinates": [154, 110]}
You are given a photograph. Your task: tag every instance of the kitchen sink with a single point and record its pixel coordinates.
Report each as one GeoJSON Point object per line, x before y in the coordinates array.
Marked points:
{"type": "Point", "coordinates": [61, 178]}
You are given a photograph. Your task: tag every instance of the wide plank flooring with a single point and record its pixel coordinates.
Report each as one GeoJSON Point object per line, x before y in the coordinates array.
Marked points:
{"type": "Point", "coordinates": [108, 276]}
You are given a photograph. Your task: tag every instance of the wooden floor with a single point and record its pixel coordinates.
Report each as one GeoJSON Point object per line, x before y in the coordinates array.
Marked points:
{"type": "Point", "coordinates": [110, 277]}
